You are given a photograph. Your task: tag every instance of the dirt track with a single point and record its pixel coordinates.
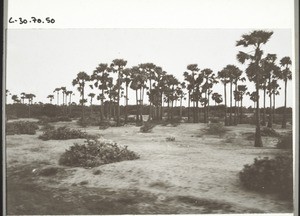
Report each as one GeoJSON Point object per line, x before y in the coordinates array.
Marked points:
{"type": "Point", "coordinates": [196, 173]}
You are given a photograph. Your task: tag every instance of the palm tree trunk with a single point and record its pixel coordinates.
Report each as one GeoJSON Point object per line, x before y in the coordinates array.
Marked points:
{"type": "Point", "coordinates": [270, 120]}
{"type": "Point", "coordinates": [258, 141]}
{"type": "Point", "coordinates": [284, 109]}
{"type": "Point", "coordinates": [180, 112]}
{"type": "Point", "coordinates": [241, 112]}
{"type": "Point", "coordinates": [230, 114]}
{"type": "Point", "coordinates": [274, 103]}
{"type": "Point", "coordinates": [126, 106]}
{"type": "Point", "coordinates": [225, 96]}
{"type": "Point", "coordinates": [118, 99]}
{"type": "Point", "coordinates": [137, 106]}
{"type": "Point", "coordinates": [264, 111]}
{"type": "Point", "coordinates": [189, 105]}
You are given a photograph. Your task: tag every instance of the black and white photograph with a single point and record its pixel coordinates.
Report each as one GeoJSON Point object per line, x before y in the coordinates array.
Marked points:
{"type": "Point", "coordinates": [113, 121]}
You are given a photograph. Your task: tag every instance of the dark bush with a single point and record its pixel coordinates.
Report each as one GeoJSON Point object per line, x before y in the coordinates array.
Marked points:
{"type": "Point", "coordinates": [45, 119]}
{"type": "Point", "coordinates": [270, 176]}
{"type": "Point", "coordinates": [21, 127]}
{"type": "Point", "coordinates": [266, 131]}
{"type": "Point", "coordinates": [215, 129]}
{"type": "Point", "coordinates": [47, 127]}
{"type": "Point", "coordinates": [147, 127]}
{"type": "Point", "coordinates": [89, 121]}
{"type": "Point", "coordinates": [285, 141]}
{"type": "Point", "coordinates": [62, 133]}
{"type": "Point", "coordinates": [95, 153]}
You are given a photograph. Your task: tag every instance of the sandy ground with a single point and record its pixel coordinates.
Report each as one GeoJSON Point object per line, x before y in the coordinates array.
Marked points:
{"type": "Point", "coordinates": [196, 173]}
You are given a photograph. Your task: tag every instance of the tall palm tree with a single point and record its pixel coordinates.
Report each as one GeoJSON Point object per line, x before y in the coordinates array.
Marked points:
{"type": "Point", "coordinates": [242, 90]}
{"type": "Point", "coordinates": [209, 81]}
{"type": "Point", "coordinates": [223, 75]}
{"type": "Point", "coordinates": [149, 69]}
{"type": "Point", "coordinates": [91, 95]}
{"type": "Point", "coordinates": [80, 80]}
{"type": "Point", "coordinates": [30, 97]}
{"type": "Point", "coordinates": [118, 67]}
{"type": "Point", "coordinates": [127, 79]}
{"type": "Point", "coordinates": [217, 98]}
{"type": "Point", "coordinates": [100, 77]}
{"type": "Point", "coordinates": [63, 89]}
{"type": "Point", "coordinates": [195, 88]}
{"type": "Point", "coordinates": [15, 98]}
{"type": "Point", "coordinates": [51, 98]}
{"type": "Point", "coordinates": [57, 90]}
{"type": "Point", "coordinates": [255, 40]}
{"type": "Point", "coordinates": [286, 75]}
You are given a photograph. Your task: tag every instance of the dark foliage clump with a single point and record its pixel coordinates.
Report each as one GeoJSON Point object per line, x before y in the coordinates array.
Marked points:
{"type": "Point", "coordinates": [147, 127]}
{"type": "Point", "coordinates": [62, 133]}
{"type": "Point", "coordinates": [215, 129]}
{"type": "Point", "coordinates": [47, 126]}
{"type": "Point", "coordinates": [95, 153]}
{"type": "Point", "coordinates": [46, 120]}
{"type": "Point", "coordinates": [270, 176]}
{"type": "Point", "coordinates": [266, 131]}
{"type": "Point", "coordinates": [21, 127]}
{"type": "Point", "coordinates": [285, 141]}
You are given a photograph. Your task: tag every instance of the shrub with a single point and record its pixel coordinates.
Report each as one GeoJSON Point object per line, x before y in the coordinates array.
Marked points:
{"type": "Point", "coordinates": [147, 127]}
{"type": "Point", "coordinates": [270, 176]}
{"type": "Point", "coordinates": [285, 141]}
{"type": "Point", "coordinates": [46, 120]}
{"type": "Point", "coordinates": [170, 139]}
{"type": "Point", "coordinates": [215, 129]}
{"type": "Point", "coordinates": [89, 121]}
{"type": "Point", "coordinates": [266, 131]}
{"type": "Point", "coordinates": [95, 153]}
{"type": "Point", "coordinates": [21, 127]}
{"type": "Point", "coordinates": [47, 127]}
{"type": "Point", "coordinates": [62, 133]}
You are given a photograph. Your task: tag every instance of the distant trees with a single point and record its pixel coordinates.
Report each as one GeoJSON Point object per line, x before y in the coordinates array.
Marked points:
{"type": "Point", "coordinates": [111, 82]}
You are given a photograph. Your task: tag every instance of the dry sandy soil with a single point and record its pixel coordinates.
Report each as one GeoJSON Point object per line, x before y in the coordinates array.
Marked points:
{"type": "Point", "coordinates": [196, 173]}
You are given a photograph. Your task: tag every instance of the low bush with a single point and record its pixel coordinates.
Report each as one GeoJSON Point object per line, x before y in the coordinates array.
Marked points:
{"type": "Point", "coordinates": [170, 139]}
{"type": "Point", "coordinates": [147, 127]}
{"type": "Point", "coordinates": [95, 153]}
{"type": "Point", "coordinates": [46, 120]}
{"type": "Point", "coordinates": [47, 127]}
{"type": "Point", "coordinates": [215, 129]}
{"type": "Point", "coordinates": [21, 127]}
{"type": "Point", "coordinates": [266, 131]}
{"type": "Point", "coordinates": [285, 141]}
{"type": "Point", "coordinates": [270, 176]}
{"type": "Point", "coordinates": [89, 121]}
{"type": "Point", "coordinates": [62, 133]}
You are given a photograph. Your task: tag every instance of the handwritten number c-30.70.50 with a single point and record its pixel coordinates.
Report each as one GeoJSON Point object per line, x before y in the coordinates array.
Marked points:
{"type": "Point", "coordinates": [22, 20]}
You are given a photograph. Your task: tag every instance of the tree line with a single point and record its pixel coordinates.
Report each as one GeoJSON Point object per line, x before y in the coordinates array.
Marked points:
{"type": "Point", "coordinates": [113, 81]}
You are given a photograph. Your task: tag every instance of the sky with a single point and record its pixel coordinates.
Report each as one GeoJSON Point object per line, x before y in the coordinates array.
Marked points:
{"type": "Point", "coordinates": [40, 60]}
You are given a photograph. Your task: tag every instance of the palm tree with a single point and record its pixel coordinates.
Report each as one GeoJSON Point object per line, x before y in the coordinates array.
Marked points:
{"type": "Point", "coordinates": [23, 97]}
{"type": "Point", "coordinates": [127, 79]}
{"type": "Point", "coordinates": [81, 80]}
{"type": "Point", "coordinates": [15, 98]}
{"type": "Point", "coordinates": [286, 75]}
{"type": "Point", "coordinates": [223, 75]}
{"type": "Point", "coordinates": [255, 40]}
{"type": "Point", "coordinates": [50, 97]}
{"type": "Point", "coordinates": [149, 69]}
{"type": "Point", "coordinates": [57, 90]}
{"type": "Point", "coordinates": [217, 98]}
{"type": "Point", "coordinates": [30, 97]}
{"type": "Point", "coordinates": [91, 95]}
{"type": "Point", "coordinates": [118, 67]}
{"type": "Point", "coordinates": [242, 90]}
{"type": "Point", "coordinates": [210, 80]}
{"type": "Point", "coordinates": [63, 89]}
{"type": "Point", "coordinates": [195, 88]}
{"type": "Point", "coordinates": [100, 77]}
{"type": "Point", "coordinates": [181, 95]}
